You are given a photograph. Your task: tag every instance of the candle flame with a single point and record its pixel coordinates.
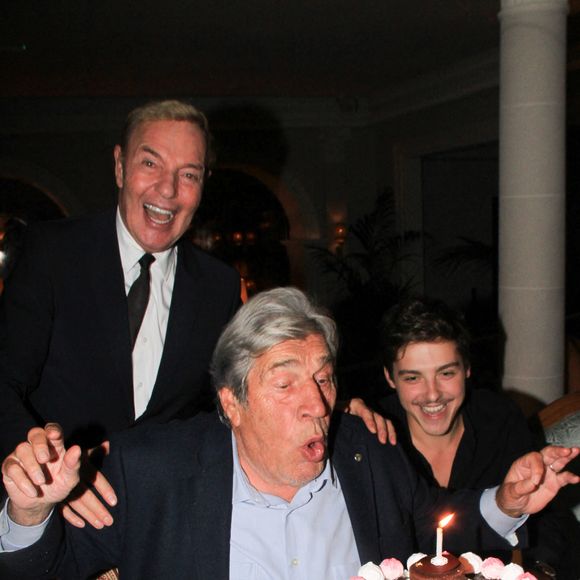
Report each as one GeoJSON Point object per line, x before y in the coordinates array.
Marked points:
{"type": "Point", "coordinates": [446, 520]}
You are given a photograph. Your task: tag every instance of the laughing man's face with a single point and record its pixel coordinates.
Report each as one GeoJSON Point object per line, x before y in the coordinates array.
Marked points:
{"type": "Point", "coordinates": [429, 378]}
{"type": "Point", "coordinates": [160, 179]}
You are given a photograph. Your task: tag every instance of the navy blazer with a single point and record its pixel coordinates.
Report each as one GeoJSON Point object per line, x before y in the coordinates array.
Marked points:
{"type": "Point", "coordinates": [65, 351]}
{"type": "Point", "coordinates": [173, 519]}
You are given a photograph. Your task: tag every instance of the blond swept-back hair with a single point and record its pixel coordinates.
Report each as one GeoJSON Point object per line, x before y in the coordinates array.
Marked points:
{"type": "Point", "coordinates": [169, 110]}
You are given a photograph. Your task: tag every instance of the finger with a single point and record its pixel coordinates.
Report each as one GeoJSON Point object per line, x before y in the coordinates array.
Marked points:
{"type": "Point", "coordinates": [101, 450]}
{"type": "Point", "coordinates": [15, 477]}
{"type": "Point", "coordinates": [70, 516]}
{"type": "Point", "coordinates": [392, 432]}
{"type": "Point", "coordinates": [382, 427]}
{"type": "Point", "coordinates": [567, 478]}
{"type": "Point", "coordinates": [559, 457]}
{"type": "Point", "coordinates": [55, 436]}
{"type": "Point", "coordinates": [39, 443]}
{"type": "Point", "coordinates": [369, 421]}
{"type": "Point", "coordinates": [104, 488]}
{"type": "Point", "coordinates": [523, 488]}
{"type": "Point", "coordinates": [71, 464]}
{"type": "Point", "coordinates": [534, 465]}
{"type": "Point", "coordinates": [27, 458]}
{"type": "Point", "coordinates": [88, 506]}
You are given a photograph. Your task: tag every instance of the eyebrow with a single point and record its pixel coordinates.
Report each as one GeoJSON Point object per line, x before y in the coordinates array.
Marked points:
{"type": "Point", "coordinates": [151, 151]}
{"type": "Point", "coordinates": [454, 364]}
{"type": "Point", "coordinates": [323, 361]}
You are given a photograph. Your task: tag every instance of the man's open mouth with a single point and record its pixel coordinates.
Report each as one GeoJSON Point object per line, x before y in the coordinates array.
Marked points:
{"type": "Point", "coordinates": [433, 409]}
{"type": "Point", "coordinates": [315, 450]}
{"type": "Point", "coordinates": [158, 215]}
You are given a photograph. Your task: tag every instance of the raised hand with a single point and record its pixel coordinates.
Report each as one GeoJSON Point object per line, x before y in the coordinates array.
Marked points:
{"type": "Point", "coordinates": [534, 480]}
{"type": "Point", "coordinates": [39, 473]}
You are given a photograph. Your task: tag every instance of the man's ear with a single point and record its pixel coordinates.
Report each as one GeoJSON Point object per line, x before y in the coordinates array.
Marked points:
{"type": "Point", "coordinates": [118, 155]}
{"type": "Point", "coordinates": [388, 377]}
{"type": "Point", "coordinates": [230, 405]}
{"type": "Point", "coordinates": [467, 372]}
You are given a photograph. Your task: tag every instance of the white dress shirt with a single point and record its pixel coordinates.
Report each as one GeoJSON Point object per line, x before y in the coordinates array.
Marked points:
{"type": "Point", "coordinates": [151, 338]}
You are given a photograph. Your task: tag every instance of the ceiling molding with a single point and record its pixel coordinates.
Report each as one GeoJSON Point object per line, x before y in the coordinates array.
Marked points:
{"type": "Point", "coordinates": [461, 80]}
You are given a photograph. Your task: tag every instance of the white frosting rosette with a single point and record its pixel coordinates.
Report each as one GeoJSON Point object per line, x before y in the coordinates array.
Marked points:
{"type": "Point", "coordinates": [512, 572]}
{"type": "Point", "coordinates": [414, 558]}
{"type": "Point", "coordinates": [473, 560]}
{"type": "Point", "coordinates": [370, 571]}
{"type": "Point", "coordinates": [392, 569]}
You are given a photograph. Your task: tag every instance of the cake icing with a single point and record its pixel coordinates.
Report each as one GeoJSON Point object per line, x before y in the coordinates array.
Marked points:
{"type": "Point", "coordinates": [468, 565]}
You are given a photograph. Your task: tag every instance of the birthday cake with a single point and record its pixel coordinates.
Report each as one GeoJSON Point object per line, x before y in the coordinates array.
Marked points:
{"type": "Point", "coordinates": [468, 565]}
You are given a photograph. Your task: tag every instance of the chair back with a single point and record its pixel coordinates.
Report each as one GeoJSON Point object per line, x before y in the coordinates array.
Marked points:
{"type": "Point", "coordinates": [560, 421]}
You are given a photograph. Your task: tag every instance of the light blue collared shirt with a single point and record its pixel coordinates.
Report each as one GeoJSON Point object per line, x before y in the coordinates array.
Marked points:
{"type": "Point", "coordinates": [310, 537]}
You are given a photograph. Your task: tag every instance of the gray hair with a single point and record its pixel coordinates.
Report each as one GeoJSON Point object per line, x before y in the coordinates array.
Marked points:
{"type": "Point", "coordinates": [266, 320]}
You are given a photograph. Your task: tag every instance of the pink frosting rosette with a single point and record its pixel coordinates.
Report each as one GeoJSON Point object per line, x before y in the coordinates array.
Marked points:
{"type": "Point", "coordinates": [491, 568]}
{"type": "Point", "coordinates": [392, 568]}
{"type": "Point", "coordinates": [527, 576]}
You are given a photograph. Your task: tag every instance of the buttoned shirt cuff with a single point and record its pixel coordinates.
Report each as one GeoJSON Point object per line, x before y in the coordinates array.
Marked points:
{"type": "Point", "coordinates": [501, 523]}
{"type": "Point", "coordinates": [13, 536]}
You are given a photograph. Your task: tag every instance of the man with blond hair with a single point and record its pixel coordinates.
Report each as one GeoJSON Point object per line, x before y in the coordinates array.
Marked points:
{"type": "Point", "coordinates": [72, 348]}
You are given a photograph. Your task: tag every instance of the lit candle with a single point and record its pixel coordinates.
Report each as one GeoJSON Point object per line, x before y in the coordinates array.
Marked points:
{"type": "Point", "coordinates": [439, 559]}
{"type": "Point", "coordinates": [439, 544]}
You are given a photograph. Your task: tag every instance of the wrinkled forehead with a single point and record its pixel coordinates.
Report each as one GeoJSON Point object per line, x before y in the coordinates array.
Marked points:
{"type": "Point", "coordinates": [310, 354]}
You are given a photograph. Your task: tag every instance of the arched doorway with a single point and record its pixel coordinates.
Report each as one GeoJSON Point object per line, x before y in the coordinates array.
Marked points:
{"type": "Point", "coordinates": [242, 222]}
{"type": "Point", "coordinates": [20, 205]}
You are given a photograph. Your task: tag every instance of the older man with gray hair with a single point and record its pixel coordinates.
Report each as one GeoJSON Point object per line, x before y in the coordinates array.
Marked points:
{"type": "Point", "coordinates": [290, 491]}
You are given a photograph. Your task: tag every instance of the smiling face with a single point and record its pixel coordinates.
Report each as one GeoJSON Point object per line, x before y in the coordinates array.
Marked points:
{"type": "Point", "coordinates": [281, 431]}
{"type": "Point", "coordinates": [429, 378]}
{"type": "Point", "coordinates": [160, 179]}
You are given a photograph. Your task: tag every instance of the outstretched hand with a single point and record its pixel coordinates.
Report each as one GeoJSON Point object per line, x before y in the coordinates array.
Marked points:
{"type": "Point", "coordinates": [39, 473]}
{"type": "Point", "coordinates": [534, 480]}
{"type": "Point", "coordinates": [375, 422]}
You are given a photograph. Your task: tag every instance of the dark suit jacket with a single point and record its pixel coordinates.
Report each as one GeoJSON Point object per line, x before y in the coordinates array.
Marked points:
{"type": "Point", "coordinates": [65, 351]}
{"type": "Point", "coordinates": [175, 504]}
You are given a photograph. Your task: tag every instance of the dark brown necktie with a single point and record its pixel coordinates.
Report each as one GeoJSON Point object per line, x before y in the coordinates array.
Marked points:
{"type": "Point", "coordinates": [138, 297]}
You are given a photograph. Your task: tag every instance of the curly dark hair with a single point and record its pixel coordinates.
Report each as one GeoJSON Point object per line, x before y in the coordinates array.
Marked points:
{"type": "Point", "coordinates": [422, 320]}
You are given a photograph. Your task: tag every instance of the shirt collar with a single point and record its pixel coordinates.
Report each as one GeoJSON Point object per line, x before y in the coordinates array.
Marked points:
{"type": "Point", "coordinates": [244, 491]}
{"type": "Point", "coordinates": [131, 251]}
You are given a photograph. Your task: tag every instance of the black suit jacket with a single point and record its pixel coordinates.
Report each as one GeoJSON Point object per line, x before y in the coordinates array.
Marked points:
{"type": "Point", "coordinates": [65, 351]}
{"type": "Point", "coordinates": [173, 519]}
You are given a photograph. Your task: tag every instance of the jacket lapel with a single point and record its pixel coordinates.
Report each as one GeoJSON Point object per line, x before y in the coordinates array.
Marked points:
{"type": "Point", "coordinates": [185, 302]}
{"type": "Point", "coordinates": [108, 287]}
{"type": "Point", "coordinates": [210, 512]}
{"type": "Point", "coordinates": [350, 461]}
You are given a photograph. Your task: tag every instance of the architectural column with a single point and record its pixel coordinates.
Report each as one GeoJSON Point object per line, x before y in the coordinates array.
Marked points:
{"type": "Point", "coordinates": [532, 194]}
